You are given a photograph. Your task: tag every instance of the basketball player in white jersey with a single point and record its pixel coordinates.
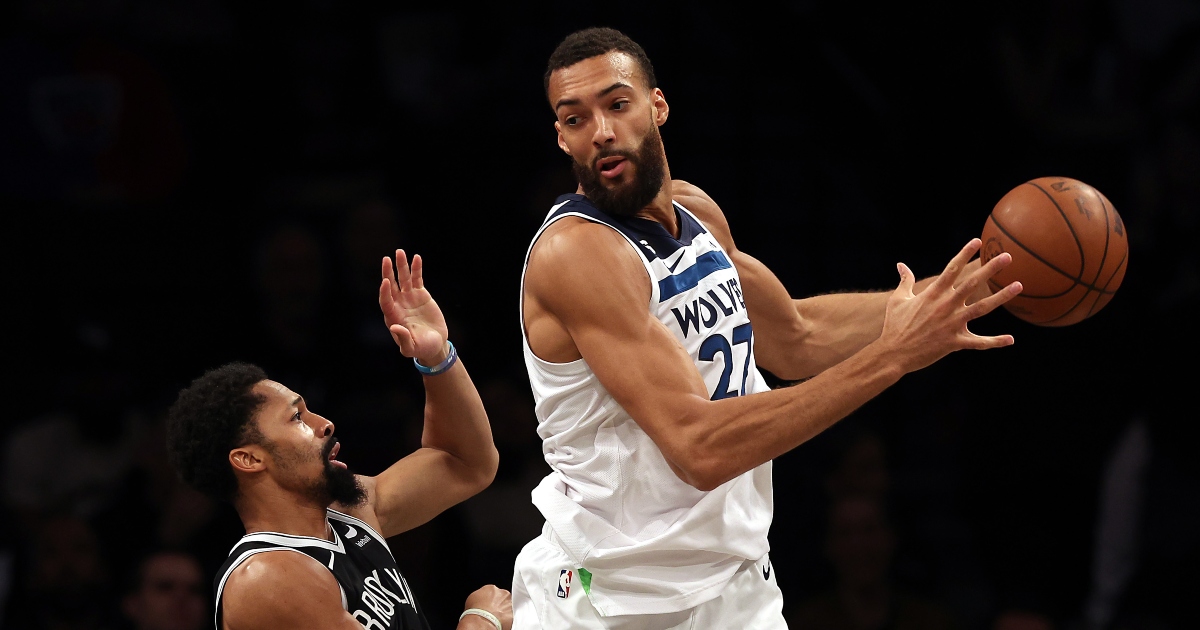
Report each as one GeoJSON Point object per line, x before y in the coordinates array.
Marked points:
{"type": "Point", "coordinates": [644, 327]}
{"type": "Point", "coordinates": [315, 554]}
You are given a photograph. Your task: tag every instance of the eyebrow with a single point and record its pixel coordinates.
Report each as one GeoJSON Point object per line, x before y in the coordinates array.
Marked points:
{"type": "Point", "coordinates": [295, 403]}
{"type": "Point", "coordinates": [574, 101]}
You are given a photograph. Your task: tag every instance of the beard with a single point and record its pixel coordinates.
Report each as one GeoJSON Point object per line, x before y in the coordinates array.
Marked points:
{"type": "Point", "coordinates": [340, 485]}
{"type": "Point", "coordinates": [626, 200]}
{"type": "Point", "coordinates": [335, 485]}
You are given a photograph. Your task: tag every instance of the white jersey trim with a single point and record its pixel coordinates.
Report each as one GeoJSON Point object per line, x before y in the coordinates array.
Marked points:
{"type": "Point", "coordinates": [242, 558]}
{"type": "Point", "coordinates": [289, 540]}
{"type": "Point", "coordinates": [551, 221]}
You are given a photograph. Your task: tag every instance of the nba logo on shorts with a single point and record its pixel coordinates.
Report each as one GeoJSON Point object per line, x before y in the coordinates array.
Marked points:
{"type": "Point", "coordinates": [564, 583]}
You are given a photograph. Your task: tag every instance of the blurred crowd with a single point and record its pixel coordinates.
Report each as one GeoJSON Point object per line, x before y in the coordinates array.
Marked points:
{"type": "Point", "coordinates": [197, 181]}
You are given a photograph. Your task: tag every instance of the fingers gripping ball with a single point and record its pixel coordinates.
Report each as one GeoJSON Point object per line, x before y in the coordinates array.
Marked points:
{"type": "Point", "coordinates": [1068, 247]}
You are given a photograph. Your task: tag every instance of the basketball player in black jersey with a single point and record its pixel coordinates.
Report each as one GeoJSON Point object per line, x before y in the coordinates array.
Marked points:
{"type": "Point", "coordinates": [315, 554]}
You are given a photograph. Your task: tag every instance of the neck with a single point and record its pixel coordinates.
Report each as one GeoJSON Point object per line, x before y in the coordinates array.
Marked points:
{"type": "Point", "coordinates": [280, 511]}
{"type": "Point", "coordinates": [661, 209]}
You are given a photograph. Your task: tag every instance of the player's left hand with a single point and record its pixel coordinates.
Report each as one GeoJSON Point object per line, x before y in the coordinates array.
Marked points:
{"type": "Point", "coordinates": [411, 315]}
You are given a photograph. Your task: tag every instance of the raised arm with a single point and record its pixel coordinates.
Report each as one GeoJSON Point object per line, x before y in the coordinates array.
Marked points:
{"type": "Point", "coordinates": [457, 458]}
{"type": "Point", "coordinates": [649, 373]}
{"type": "Point", "coordinates": [797, 338]}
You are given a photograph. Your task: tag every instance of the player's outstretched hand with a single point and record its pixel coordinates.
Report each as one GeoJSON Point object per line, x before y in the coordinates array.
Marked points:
{"type": "Point", "coordinates": [411, 315]}
{"type": "Point", "coordinates": [925, 327]}
{"type": "Point", "coordinates": [494, 600]}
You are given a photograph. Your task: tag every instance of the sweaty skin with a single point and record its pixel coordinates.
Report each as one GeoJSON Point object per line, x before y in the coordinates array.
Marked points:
{"type": "Point", "coordinates": [850, 347]}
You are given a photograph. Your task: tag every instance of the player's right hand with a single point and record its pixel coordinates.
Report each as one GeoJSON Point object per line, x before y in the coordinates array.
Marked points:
{"type": "Point", "coordinates": [494, 600]}
{"type": "Point", "coordinates": [412, 317]}
{"type": "Point", "coordinates": [922, 328]}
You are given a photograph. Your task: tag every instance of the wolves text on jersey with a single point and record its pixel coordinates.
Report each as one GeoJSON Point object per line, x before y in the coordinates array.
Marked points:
{"type": "Point", "coordinates": [704, 313]}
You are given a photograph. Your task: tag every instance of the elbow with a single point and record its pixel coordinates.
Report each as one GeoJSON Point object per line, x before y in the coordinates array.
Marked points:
{"type": "Point", "coordinates": [698, 455]}
{"type": "Point", "coordinates": [700, 467]}
{"type": "Point", "coordinates": [484, 471]}
{"type": "Point", "coordinates": [706, 483]}
{"type": "Point", "coordinates": [474, 474]}
{"type": "Point", "coordinates": [704, 479]}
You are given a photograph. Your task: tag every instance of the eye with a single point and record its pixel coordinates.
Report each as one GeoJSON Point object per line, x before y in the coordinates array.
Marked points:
{"type": "Point", "coordinates": [620, 105]}
{"type": "Point", "coordinates": [297, 416]}
{"type": "Point", "coordinates": [571, 121]}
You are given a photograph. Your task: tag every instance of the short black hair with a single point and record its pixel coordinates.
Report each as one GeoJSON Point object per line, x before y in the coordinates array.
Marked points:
{"type": "Point", "coordinates": [593, 42]}
{"type": "Point", "coordinates": [210, 417]}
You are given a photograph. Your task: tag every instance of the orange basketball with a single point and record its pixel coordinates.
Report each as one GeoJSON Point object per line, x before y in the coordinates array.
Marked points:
{"type": "Point", "coordinates": [1068, 245]}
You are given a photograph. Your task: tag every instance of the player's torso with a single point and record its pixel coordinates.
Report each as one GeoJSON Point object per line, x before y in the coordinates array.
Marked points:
{"type": "Point", "coordinates": [372, 589]}
{"type": "Point", "coordinates": [695, 293]}
{"type": "Point", "coordinates": [606, 462]}
{"type": "Point", "coordinates": [651, 542]}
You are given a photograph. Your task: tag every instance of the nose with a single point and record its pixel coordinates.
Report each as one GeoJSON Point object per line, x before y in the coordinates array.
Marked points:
{"type": "Point", "coordinates": [324, 427]}
{"type": "Point", "coordinates": [604, 132]}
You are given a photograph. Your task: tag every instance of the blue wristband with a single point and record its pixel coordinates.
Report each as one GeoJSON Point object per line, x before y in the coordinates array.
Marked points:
{"type": "Point", "coordinates": [451, 359]}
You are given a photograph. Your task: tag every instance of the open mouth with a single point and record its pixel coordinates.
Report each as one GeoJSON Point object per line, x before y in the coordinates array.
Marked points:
{"type": "Point", "coordinates": [332, 458]}
{"type": "Point", "coordinates": [611, 166]}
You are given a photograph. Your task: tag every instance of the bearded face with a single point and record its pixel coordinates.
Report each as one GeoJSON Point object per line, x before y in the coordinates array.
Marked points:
{"type": "Point", "coordinates": [629, 192]}
{"type": "Point", "coordinates": [335, 484]}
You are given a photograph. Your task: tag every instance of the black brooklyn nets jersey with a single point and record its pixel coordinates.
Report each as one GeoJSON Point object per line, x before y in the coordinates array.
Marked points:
{"type": "Point", "coordinates": [373, 591]}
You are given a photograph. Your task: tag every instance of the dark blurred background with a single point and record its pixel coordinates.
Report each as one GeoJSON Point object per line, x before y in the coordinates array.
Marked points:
{"type": "Point", "coordinates": [188, 182]}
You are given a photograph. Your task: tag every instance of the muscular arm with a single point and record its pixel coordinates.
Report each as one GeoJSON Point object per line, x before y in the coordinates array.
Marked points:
{"type": "Point", "coordinates": [456, 461]}
{"type": "Point", "coordinates": [653, 378]}
{"type": "Point", "coordinates": [584, 278]}
{"type": "Point", "coordinates": [795, 338]}
{"type": "Point", "coordinates": [457, 458]}
{"type": "Point", "coordinates": [284, 590]}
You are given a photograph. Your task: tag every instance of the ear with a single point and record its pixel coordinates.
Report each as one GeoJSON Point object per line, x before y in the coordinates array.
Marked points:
{"type": "Point", "coordinates": [661, 109]}
{"type": "Point", "coordinates": [248, 459]}
{"type": "Point", "coordinates": [562, 143]}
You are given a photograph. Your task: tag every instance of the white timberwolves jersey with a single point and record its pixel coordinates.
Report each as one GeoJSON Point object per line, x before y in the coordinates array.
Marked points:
{"type": "Point", "coordinates": [648, 542]}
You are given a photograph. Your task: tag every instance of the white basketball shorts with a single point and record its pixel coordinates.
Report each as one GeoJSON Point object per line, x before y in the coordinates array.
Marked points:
{"type": "Point", "coordinates": [542, 601]}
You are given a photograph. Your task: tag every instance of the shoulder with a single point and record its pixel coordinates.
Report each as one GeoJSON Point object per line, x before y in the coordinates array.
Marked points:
{"type": "Point", "coordinates": [571, 235]}
{"type": "Point", "coordinates": [577, 266]}
{"type": "Point", "coordinates": [704, 207]}
{"type": "Point", "coordinates": [270, 588]}
{"type": "Point", "coordinates": [575, 245]}
{"type": "Point", "coordinates": [683, 191]}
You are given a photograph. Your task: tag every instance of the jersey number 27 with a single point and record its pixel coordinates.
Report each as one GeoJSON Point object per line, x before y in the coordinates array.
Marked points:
{"type": "Point", "coordinates": [717, 344]}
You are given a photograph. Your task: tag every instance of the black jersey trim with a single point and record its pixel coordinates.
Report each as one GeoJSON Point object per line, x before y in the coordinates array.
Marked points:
{"type": "Point", "coordinates": [354, 520]}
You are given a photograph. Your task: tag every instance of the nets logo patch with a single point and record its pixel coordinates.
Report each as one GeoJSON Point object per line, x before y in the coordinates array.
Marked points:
{"type": "Point", "coordinates": [564, 583]}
